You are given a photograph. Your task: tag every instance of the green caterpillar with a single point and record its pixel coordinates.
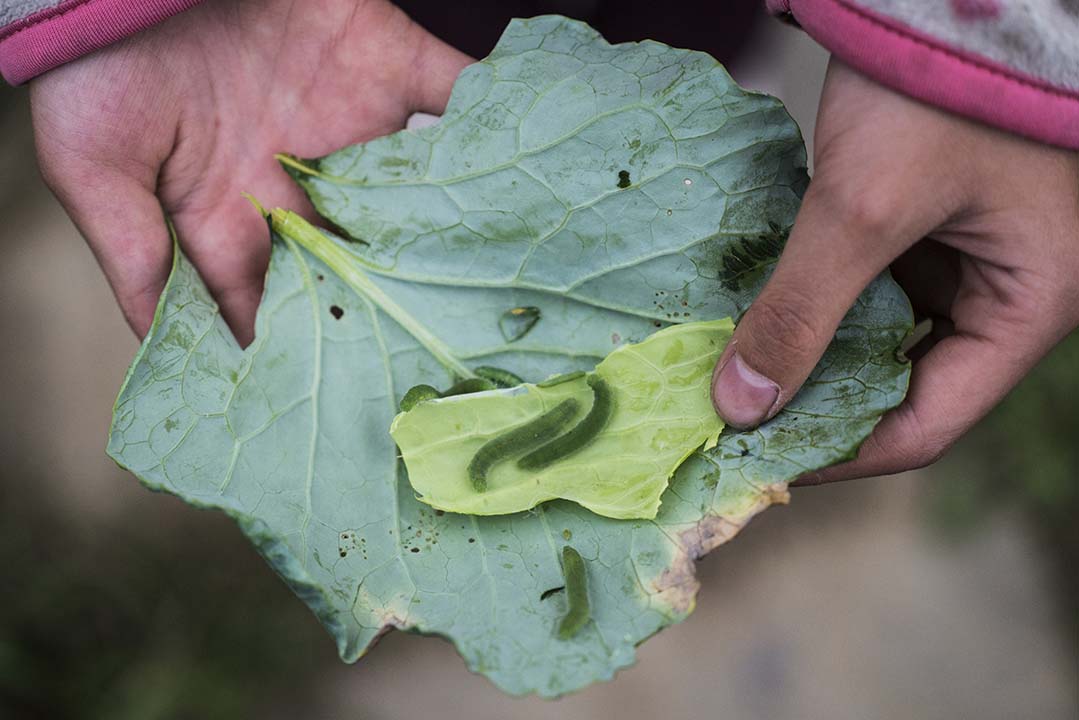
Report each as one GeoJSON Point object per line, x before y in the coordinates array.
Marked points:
{"type": "Point", "coordinates": [580, 435]}
{"type": "Point", "coordinates": [501, 378]}
{"type": "Point", "coordinates": [559, 379]}
{"type": "Point", "coordinates": [489, 379]}
{"type": "Point", "coordinates": [520, 439]}
{"type": "Point", "coordinates": [471, 385]}
{"type": "Point", "coordinates": [416, 395]}
{"type": "Point", "coordinates": [578, 611]}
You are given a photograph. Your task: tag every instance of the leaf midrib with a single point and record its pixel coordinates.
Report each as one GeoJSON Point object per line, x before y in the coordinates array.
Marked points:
{"type": "Point", "coordinates": [345, 265]}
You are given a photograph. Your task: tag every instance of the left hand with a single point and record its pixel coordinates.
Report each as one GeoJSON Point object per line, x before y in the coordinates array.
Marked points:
{"type": "Point", "coordinates": [980, 227]}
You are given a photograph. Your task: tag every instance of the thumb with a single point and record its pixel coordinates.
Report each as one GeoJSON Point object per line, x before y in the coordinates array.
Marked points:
{"type": "Point", "coordinates": [834, 251]}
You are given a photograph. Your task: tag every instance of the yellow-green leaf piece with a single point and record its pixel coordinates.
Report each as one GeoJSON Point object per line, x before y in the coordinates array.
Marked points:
{"type": "Point", "coordinates": [662, 412]}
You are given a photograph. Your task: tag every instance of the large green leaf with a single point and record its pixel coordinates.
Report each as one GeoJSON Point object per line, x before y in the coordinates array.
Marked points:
{"type": "Point", "coordinates": [502, 236]}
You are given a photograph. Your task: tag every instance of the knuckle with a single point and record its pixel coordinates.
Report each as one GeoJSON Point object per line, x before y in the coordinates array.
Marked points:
{"type": "Point", "coordinates": [784, 325]}
{"type": "Point", "coordinates": [921, 447]}
{"type": "Point", "coordinates": [869, 212]}
{"type": "Point", "coordinates": [865, 209]}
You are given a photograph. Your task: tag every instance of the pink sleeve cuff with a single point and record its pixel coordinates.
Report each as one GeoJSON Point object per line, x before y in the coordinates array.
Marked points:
{"type": "Point", "coordinates": [921, 66]}
{"type": "Point", "coordinates": [52, 37]}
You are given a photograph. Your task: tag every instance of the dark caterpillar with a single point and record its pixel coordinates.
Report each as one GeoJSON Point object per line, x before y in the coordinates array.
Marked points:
{"type": "Point", "coordinates": [580, 435]}
{"type": "Point", "coordinates": [519, 440]}
{"type": "Point", "coordinates": [578, 611]}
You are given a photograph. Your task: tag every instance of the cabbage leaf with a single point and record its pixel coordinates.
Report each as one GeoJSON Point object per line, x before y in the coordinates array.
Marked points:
{"type": "Point", "coordinates": [576, 196]}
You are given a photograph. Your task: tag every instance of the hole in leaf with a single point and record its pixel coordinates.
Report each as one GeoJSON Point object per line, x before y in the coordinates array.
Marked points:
{"type": "Point", "coordinates": [516, 322]}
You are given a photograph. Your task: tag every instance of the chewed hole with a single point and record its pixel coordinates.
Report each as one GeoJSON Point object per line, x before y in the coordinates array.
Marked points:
{"type": "Point", "coordinates": [337, 312]}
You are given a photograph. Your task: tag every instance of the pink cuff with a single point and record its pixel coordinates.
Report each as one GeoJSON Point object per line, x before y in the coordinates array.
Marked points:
{"type": "Point", "coordinates": [900, 57]}
{"type": "Point", "coordinates": [60, 34]}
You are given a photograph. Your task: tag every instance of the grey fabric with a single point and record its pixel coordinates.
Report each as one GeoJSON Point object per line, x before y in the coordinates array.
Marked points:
{"type": "Point", "coordinates": [1036, 37]}
{"type": "Point", "coordinates": [12, 10]}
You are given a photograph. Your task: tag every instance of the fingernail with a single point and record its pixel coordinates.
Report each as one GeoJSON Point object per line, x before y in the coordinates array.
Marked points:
{"type": "Point", "coordinates": [742, 396]}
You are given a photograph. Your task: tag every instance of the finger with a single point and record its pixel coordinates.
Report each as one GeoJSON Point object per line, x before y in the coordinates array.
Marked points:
{"type": "Point", "coordinates": [955, 385]}
{"type": "Point", "coordinates": [436, 67]}
{"type": "Point", "coordinates": [230, 246]}
{"type": "Point", "coordinates": [842, 239]}
{"type": "Point", "coordinates": [123, 224]}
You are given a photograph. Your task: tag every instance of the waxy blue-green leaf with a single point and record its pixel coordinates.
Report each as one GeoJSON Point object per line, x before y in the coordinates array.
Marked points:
{"type": "Point", "coordinates": [512, 201]}
{"type": "Point", "coordinates": [660, 411]}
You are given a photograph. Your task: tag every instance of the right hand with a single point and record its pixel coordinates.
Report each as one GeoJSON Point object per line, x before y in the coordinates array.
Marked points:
{"type": "Point", "coordinates": [181, 119]}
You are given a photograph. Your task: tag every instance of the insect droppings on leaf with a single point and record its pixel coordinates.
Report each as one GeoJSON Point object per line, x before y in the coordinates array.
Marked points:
{"type": "Point", "coordinates": [337, 312]}
{"type": "Point", "coordinates": [623, 179]}
{"type": "Point", "coordinates": [551, 591]}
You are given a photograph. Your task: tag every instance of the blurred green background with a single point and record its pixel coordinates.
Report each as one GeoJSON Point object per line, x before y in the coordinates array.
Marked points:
{"type": "Point", "coordinates": [939, 594]}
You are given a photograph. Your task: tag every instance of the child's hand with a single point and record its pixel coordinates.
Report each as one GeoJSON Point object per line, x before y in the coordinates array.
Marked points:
{"type": "Point", "coordinates": [981, 229]}
{"type": "Point", "coordinates": [188, 115]}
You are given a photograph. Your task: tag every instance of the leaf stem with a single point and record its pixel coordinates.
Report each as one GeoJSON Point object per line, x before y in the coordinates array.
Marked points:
{"type": "Point", "coordinates": [342, 262]}
{"type": "Point", "coordinates": [291, 161]}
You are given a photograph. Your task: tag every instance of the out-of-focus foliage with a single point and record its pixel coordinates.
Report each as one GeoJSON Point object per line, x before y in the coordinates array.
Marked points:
{"type": "Point", "coordinates": [1025, 456]}
{"type": "Point", "coordinates": [134, 621]}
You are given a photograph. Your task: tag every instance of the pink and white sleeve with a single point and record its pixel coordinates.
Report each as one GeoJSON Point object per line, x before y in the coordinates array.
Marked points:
{"type": "Point", "coordinates": [1014, 65]}
{"type": "Point", "coordinates": [38, 35]}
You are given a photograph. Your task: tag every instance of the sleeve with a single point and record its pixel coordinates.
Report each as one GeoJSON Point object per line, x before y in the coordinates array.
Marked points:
{"type": "Point", "coordinates": [1014, 65]}
{"type": "Point", "coordinates": [38, 35]}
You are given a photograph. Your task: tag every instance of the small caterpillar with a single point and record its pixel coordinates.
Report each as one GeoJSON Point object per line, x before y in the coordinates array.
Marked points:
{"type": "Point", "coordinates": [471, 385]}
{"type": "Point", "coordinates": [416, 395]}
{"type": "Point", "coordinates": [559, 379]}
{"type": "Point", "coordinates": [578, 611]}
{"type": "Point", "coordinates": [580, 435]}
{"type": "Point", "coordinates": [520, 439]}
{"type": "Point", "coordinates": [501, 378]}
